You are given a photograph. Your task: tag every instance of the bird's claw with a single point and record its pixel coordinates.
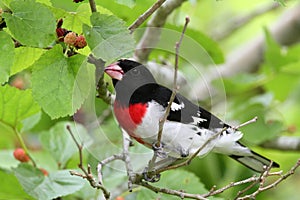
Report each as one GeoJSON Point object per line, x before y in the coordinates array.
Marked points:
{"type": "Point", "coordinates": [151, 176]}
{"type": "Point", "coordinates": [159, 150]}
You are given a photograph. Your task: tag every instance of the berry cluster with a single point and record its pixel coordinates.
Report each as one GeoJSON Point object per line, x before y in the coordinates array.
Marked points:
{"type": "Point", "coordinates": [69, 38]}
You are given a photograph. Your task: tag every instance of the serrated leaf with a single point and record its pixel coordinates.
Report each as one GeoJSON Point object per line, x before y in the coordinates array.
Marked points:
{"type": "Point", "coordinates": [61, 84]}
{"type": "Point", "coordinates": [185, 181]}
{"type": "Point", "coordinates": [59, 142]}
{"type": "Point", "coordinates": [74, 20]}
{"type": "Point", "coordinates": [24, 58]}
{"type": "Point", "coordinates": [31, 23]}
{"type": "Point", "coordinates": [108, 37]}
{"type": "Point", "coordinates": [6, 55]}
{"type": "Point", "coordinates": [56, 184]}
{"type": "Point", "coordinates": [16, 105]}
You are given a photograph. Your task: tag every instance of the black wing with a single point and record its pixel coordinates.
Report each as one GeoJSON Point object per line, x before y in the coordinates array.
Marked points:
{"type": "Point", "coordinates": [185, 111]}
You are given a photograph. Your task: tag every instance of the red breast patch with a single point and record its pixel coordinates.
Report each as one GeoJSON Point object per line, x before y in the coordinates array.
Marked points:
{"type": "Point", "coordinates": [130, 117]}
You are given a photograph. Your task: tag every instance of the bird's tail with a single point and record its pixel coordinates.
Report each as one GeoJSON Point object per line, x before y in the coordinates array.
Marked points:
{"type": "Point", "coordinates": [254, 161]}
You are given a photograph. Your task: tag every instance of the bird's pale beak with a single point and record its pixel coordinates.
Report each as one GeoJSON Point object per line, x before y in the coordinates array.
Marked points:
{"type": "Point", "coordinates": [114, 71]}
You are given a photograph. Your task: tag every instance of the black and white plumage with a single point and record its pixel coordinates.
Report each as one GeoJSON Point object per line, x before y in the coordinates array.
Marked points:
{"type": "Point", "coordinates": [140, 103]}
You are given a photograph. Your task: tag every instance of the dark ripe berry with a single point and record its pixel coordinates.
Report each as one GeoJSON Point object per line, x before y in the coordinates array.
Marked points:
{"type": "Point", "coordinates": [45, 172]}
{"type": "Point", "coordinates": [70, 38]}
{"type": "Point", "coordinates": [59, 23]}
{"type": "Point", "coordinates": [21, 155]}
{"type": "Point", "coordinates": [80, 42]}
{"type": "Point", "coordinates": [61, 32]}
{"type": "Point", "coordinates": [77, 1]}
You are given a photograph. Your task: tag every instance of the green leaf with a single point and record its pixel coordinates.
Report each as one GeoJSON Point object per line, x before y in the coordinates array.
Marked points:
{"type": "Point", "coordinates": [269, 123]}
{"type": "Point", "coordinates": [6, 55]}
{"type": "Point", "coordinates": [10, 161]}
{"type": "Point", "coordinates": [285, 82]}
{"type": "Point", "coordinates": [273, 55]}
{"type": "Point", "coordinates": [56, 184]}
{"type": "Point", "coordinates": [31, 23]}
{"type": "Point", "coordinates": [61, 84]}
{"type": "Point", "coordinates": [10, 187]}
{"type": "Point", "coordinates": [108, 37]}
{"type": "Point", "coordinates": [281, 2]}
{"type": "Point", "coordinates": [74, 20]}
{"type": "Point", "coordinates": [240, 83]}
{"type": "Point", "coordinates": [24, 58]}
{"type": "Point", "coordinates": [203, 46]}
{"type": "Point", "coordinates": [16, 105]}
{"type": "Point", "coordinates": [59, 142]}
{"type": "Point", "coordinates": [185, 181]}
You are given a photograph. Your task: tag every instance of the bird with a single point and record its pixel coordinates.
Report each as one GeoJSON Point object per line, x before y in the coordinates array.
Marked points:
{"type": "Point", "coordinates": [140, 104]}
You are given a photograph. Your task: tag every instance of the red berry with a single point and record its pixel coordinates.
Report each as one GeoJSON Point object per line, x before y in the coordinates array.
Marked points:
{"type": "Point", "coordinates": [18, 82]}
{"type": "Point", "coordinates": [120, 198]}
{"type": "Point", "coordinates": [70, 38]}
{"type": "Point", "coordinates": [80, 42]}
{"type": "Point", "coordinates": [21, 155]}
{"type": "Point", "coordinates": [45, 172]}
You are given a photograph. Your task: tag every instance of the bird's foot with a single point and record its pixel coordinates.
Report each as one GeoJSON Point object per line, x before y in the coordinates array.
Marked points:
{"type": "Point", "coordinates": [150, 176]}
{"type": "Point", "coordinates": [159, 150]}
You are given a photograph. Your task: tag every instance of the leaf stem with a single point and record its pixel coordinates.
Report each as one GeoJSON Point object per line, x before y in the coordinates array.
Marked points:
{"type": "Point", "coordinates": [23, 145]}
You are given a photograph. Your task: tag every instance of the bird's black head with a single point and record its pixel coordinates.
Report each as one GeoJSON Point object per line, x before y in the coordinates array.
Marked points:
{"type": "Point", "coordinates": [128, 76]}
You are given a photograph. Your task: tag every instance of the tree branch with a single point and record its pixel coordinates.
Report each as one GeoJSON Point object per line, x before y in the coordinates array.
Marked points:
{"type": "Point", "coordinates": [284, 143]}
{"type": "Point", "coordinates": [152, 33]}
{"type": "Point", "coordinates": [249, 56]}
{"type": "Point", "coordinates": [235, 24]}
{"type": "Point", "coordinates": [103, 93]}
{"type": "Point", "coordinates": [93, 5]}
{"type": "Point", "coordinates": [145, 15]}
{"type": "Point", "coordinates": [87, 173]}
{"type": "Point", "coordinates": [263, 178]}
{"type": "Point", "coordinates": [175, 88]}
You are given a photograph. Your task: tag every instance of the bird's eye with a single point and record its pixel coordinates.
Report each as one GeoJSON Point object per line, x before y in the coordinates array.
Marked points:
{"type": "Point", "coordinates": [135, 72]}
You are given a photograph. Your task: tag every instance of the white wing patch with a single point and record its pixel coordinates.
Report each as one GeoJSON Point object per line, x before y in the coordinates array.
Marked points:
{"type": "Point", "coordinates": [176, 106]}
{"type": "Point", "coordinates": [197, 120]}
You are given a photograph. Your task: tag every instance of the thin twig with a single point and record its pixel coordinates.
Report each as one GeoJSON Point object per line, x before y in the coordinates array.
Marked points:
{"type": "Point", "coordinates": [104, 162]}
{"type": "Point", "coordinates": [263, 188]}
{"type": "Point", "coordinates": [246, 123]}
{"type": "Point", "coordinates": [174, 91]}
{"type": "Point", "coordinates": [187, 162]}
{"type": "Point", "coordinates": [23, 145]}
{"type": "Point", "coordinates": [126, 159]}
{"type": "Point", "coordinates": [180, 194]}
{"type": "Point", "coordinates": [152, 33]}
{"type": "Point", "coordinates": [213, 191]}
{"type": "Point", "coordinates": [93, 5]}
{"type": "Point", "coordinates": [145, 15]}
{"type": "Point", "coordinates": [162, 121]}
{"type": "Point", "coordinates": [86, 173]}
{"type": "Point", "coordinates": [102, 90]}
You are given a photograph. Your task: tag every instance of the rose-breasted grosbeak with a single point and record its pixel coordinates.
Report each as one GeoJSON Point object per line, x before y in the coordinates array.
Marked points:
{"type": "Point", "coordinates": [140, 104]}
